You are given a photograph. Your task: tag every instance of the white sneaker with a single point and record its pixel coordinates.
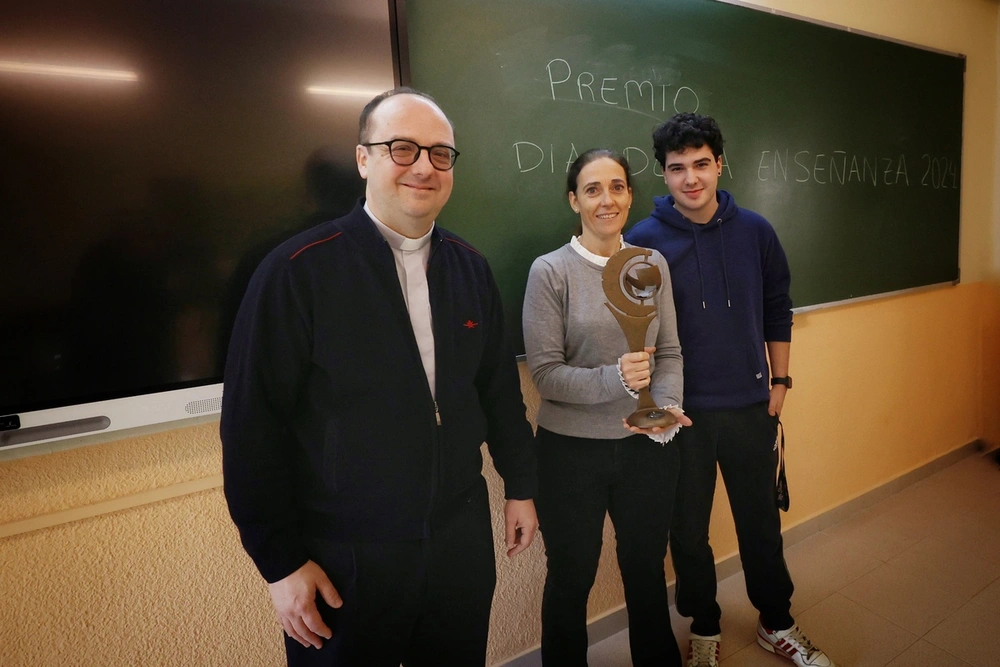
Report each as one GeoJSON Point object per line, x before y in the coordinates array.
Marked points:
{"type": "Point", "coordinates": [704, 651]}
{"type": "Point", "coordinates": [793, 645]}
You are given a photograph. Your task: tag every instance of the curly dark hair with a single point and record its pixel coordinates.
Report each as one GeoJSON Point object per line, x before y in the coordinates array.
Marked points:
{"type": "Point", "coordinates": [686, 130]}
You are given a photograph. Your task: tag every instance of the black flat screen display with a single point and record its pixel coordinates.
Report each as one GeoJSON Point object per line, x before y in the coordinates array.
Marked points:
{"type": "Point", "coordinates": [150, 153]}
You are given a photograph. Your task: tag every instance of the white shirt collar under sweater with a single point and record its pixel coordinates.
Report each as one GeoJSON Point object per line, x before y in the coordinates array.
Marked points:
{"type": "Point", "coordinates": [574, 243]}
{"type": "Point", "coordinates": [411, 256]}
{"type": "Point", "coordinates": [396, 240]}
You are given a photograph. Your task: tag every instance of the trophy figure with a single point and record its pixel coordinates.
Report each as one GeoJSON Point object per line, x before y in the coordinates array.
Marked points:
{"type": "Point", "coordinates": [629, 282]}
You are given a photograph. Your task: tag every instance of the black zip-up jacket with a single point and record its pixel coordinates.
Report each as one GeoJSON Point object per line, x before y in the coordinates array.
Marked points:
{"type": "Point", "coordinates": [328, 425]}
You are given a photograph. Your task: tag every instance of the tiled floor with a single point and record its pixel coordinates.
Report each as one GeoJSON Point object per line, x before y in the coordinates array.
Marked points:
{"type": "Point", "coordinates": [912, 581]}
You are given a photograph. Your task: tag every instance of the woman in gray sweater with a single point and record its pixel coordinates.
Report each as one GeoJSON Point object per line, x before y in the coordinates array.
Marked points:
{"type": "Point", "coordinates": [589, 464]}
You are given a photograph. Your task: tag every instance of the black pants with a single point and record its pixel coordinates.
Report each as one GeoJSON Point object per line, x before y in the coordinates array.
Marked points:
{"type": "Point", "coordinates": [423, 603]}
{"type": "Point", "coordinates": [741, 442]}
{"type": "Point", "coordinates": [580, 480]}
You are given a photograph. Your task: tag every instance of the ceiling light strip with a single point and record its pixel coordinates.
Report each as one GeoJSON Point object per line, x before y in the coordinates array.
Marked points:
{"type": "Point", "coordinates": [17, 67]}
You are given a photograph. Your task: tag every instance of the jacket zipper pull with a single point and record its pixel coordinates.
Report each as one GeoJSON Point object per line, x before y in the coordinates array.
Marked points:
{"type": "Point", "coordinates": [437, 413]}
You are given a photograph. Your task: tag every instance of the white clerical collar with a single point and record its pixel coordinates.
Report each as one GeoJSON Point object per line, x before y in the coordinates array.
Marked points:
{"type": "Point", "coordinates": [586, 254]}
{"type": "Point", "coordinates": [396, 240]}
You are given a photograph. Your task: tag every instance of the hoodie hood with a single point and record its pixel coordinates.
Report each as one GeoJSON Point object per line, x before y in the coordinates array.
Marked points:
{"type": "Point", "coordinates": [664, 211]}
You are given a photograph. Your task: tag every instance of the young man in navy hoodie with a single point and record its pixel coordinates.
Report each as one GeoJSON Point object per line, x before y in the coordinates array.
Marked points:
{"type": "Point", "coordinates": [730, 280]}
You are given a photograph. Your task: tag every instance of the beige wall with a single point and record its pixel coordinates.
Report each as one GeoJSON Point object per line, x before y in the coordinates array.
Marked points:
{"type": "Point", "coordinates": [991, 330]}
{"type": "Point", "coordinates": [122, 553]}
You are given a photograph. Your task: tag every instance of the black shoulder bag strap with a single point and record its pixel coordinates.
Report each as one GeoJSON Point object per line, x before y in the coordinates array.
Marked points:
{"type": "Point", "coordinates": [781, 484]}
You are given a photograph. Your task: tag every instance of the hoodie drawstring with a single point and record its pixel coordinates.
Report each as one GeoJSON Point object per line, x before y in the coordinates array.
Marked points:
{"type": "Point", "coordinates": [725, 271]}
{"type": "Point", "coordinates": [697, 257]}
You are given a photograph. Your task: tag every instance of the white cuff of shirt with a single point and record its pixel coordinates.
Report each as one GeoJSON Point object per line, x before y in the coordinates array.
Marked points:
{"type": "Point", "coordinates": [631, 392]}
{"type": "Point", "coordinates": [668, 435]}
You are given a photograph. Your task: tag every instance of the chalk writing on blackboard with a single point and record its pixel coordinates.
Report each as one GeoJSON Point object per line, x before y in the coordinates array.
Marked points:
{"type": "Point", "coordinates": [629, 93]}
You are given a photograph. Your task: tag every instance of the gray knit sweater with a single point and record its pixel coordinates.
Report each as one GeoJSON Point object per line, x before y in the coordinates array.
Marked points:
{"type": "Point", "coordinates": [573, 343]}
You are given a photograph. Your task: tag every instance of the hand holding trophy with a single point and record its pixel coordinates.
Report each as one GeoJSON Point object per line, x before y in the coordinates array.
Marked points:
{"type": "Point", "coordinates": [630, 282]}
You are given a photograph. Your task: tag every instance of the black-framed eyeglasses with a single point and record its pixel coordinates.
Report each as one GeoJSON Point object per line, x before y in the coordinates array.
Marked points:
{"type": "Point", "coordinates": [405, 152]}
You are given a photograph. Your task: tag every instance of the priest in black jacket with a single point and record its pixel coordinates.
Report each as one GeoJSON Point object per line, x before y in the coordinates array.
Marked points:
{"type": "Point", "coordinates": [367, 367]}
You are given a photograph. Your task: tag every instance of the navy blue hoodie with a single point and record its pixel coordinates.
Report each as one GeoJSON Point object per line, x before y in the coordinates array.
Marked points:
{"type": "Point", "coordinates": [730, 279]}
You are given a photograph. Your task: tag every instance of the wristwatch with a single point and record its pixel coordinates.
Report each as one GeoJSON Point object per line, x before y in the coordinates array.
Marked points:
{"type": "Point", "coordinates": [787, 381]}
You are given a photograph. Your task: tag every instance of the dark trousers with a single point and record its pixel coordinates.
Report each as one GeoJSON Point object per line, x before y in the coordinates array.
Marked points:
{"type": "Point", "coordinates": [580, 480]}
{"type": "Point", "coordinates": [422, 603]}
{"type": "Point", "coordinates": [741, 442]}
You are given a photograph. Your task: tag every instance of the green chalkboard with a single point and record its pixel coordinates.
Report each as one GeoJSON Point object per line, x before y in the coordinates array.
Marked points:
{"type": "Point", "coordinates": [849, 144]}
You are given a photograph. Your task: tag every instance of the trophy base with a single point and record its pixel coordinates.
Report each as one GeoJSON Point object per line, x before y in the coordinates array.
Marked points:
{"type": "Point", "coordinates": [650, 417]}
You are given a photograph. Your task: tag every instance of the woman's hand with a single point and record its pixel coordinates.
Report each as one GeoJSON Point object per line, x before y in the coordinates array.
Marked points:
{"type": "Point", "coordinates": [682, 420]}
{"type": "Point", "coordinates": [635, 368]}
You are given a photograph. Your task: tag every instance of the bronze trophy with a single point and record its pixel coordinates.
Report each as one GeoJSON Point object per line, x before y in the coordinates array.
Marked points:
{"type": "Point", "coordinates": [629, 281]}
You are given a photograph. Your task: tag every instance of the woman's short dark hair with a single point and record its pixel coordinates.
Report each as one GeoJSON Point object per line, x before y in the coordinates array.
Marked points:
{"type": "Point", "coordinates": [586, 158]}
{"type": "Point", "coordinates": [686, 130]}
